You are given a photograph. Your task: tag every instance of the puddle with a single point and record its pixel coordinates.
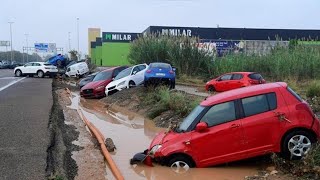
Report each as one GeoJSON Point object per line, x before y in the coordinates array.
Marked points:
{"type": "Point", "coordinates": [132, 133]}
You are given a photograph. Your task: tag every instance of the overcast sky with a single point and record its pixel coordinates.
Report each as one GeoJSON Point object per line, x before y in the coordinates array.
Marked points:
{"type": "Point", "coordinates": [50, 21]}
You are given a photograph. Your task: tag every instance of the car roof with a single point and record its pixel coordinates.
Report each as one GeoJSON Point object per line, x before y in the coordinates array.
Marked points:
{"type": "Point", "coordinates": [240, 73]}
{"type": "Point", "coordinates": [242, 92]}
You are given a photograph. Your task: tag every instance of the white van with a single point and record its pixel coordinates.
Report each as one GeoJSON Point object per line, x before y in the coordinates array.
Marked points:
{"type": "Point", "coordinates": [77, 70]}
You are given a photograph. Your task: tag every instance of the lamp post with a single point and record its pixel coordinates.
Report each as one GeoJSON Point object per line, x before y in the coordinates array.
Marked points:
{"type": "Point", "coordinates": [69, 39]}
{"type": "Point", "coordinates": [11, 40]}
{"type": "Point", "coordinates": [27, 46]}
{"type": "Point", "coordinates": [78, 36]}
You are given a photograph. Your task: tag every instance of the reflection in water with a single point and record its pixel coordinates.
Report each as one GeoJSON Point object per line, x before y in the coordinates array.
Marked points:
{"type": "Point", "coordinates": [132, 133]}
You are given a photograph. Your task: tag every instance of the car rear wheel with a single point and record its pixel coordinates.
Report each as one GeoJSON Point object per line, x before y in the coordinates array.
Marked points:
{"type": "Point", "coordinates": [180, 164]}
{"type": "Point", "coordinates": [40, 74]}
{"type": "Point", "coordinates": [132, 84]}
{"type": "Point", "coordinates": [18, 73]}
{"type": "Point", "coordinates": [211, 89]}
{"type": "Point", "coordinates": [297, 144]}
{"type": "Point", "coordinates": [172, 85]}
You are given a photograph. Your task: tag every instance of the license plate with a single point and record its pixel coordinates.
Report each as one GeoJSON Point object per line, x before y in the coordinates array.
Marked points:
{"type": "Point", "coordinates": [160, 74]}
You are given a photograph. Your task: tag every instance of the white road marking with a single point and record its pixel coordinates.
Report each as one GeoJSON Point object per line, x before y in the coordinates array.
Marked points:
{"type": "Point", "coordinates": [10, 84]}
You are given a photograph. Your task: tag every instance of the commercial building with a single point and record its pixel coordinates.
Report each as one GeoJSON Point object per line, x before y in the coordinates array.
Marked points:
{"type": "Point", "coordinates": [116, 45]}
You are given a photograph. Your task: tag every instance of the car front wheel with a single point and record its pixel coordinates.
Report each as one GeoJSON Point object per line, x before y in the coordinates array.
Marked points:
{"type": "Point", "coordinates": [180, 164]}
{"type": "Point", "coordinates": [18, 73]}
{"type": "Point", "coordinates": [40, 74]}
{"type": "Point", "coordinates": [297, 144]}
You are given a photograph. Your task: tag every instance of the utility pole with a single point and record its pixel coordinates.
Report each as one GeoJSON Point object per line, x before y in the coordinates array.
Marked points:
{"type": "Point", "coordinates": [78, 36]}
{"type": "Point", "coordinates": [11, 40]}
{"type": "Point", "coordinates": [27, 46]}
{"type": "Point", "coordinates": [69, 39]}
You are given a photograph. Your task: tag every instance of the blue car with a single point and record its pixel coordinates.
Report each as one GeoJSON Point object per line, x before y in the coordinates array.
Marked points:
{"type": "Point", "coordinates": [160, 73]}
{"type": "Point", "coordinates": [57, 60]}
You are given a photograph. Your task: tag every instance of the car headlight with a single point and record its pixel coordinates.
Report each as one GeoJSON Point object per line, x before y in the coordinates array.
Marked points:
{"type": "Point", "coordinates": [154, 149]}
{"type": "Point", "coordinates": [100, 87]}
{"type": "Point", "coordinates": [122, 83]}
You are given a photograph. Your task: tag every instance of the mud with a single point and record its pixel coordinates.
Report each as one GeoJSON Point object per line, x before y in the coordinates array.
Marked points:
{"type": "Point", "coordinates": [133, 133]}
{"type": "Point", "coordinates": [73, 153]}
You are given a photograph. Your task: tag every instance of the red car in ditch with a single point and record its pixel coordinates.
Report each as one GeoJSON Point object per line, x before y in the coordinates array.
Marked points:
{"type": "Point", "coordinates": [234, 80]}
{"type": "Point", "coordinates": [236, 125]}
{"type": "Point", "coordinates": [96, 88]}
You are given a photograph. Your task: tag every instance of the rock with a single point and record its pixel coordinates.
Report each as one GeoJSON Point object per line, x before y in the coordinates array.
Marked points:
{"type": "Point", "coordinates": [110, 145]}
{"type": "Point", "coordinates": [271, 168]}
{"type": "Point", "coordinates": [274, 172]}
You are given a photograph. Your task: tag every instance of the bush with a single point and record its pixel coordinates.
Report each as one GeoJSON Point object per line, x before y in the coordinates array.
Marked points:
{"type": "Point", "coordinates": [313, 90]}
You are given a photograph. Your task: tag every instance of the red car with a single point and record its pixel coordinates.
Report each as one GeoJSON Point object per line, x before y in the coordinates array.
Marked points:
{"type": "Point", "coordinates": [238, 124]}
{"type": "Point", "coordinates": [234, 80]}
{"type": "Point", "coordinates": [96, 88]}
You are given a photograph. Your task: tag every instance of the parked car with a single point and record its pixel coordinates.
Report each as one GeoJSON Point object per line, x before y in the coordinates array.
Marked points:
{"type": "Point", "coordinates": [77, 69]}
{"type": "Point", "coordinates": [40, 69]}
{"type": "Point", "coordinates": [130, 77]}
{"type": "Point", "coordinates": [239, 124]}
{"type": "Point", "coordinates": [234, 80]}
{"type": "Point", "coordinates": [158, 73]}
{"type": "Point", "coordinates": [87, 79]}
{"type": "Point", "coordinates": [96, 88]}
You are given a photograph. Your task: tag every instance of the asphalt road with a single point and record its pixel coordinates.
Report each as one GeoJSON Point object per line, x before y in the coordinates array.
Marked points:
{"type": "Point", "coordinates": [25, 105]}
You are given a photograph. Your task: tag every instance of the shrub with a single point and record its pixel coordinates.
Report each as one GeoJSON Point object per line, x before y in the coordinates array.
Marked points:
{"type": "Point", "coordinates": [313, 90]}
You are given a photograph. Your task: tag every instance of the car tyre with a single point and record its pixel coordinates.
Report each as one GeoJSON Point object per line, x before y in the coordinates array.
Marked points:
{"type": "Point", "coordinates": [132, 84]}
{"type": "Point", "coordinates": [211, 88]}
{"type": "Point", "coordinates": [180, 164]}
{"type": "Point", "coordinates": [40, 74]}
{"type": "Point", "coordinates": [172, 85]}
{"type": "Point", "coordinates": [18, 73]}
{"type": "Point", "coordinates": [297, 144]}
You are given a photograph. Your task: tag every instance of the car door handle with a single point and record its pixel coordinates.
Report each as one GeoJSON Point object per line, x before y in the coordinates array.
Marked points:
{"type": "Point", "coordinates": [234, 126]}
{"type": "Point", "coordinates": [281, 116]}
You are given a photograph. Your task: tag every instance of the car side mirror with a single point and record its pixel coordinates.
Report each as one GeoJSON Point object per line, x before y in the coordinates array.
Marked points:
{"type": "Point", "coordinates": [25, 66]}
{"type": "Point", "coordinates": [134, 73]}
{"type": "Point", "coordinates": [202, 126]}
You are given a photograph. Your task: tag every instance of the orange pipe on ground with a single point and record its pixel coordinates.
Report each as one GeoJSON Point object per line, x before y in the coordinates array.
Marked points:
{"type": "Point", "coordinates": [116, 172]}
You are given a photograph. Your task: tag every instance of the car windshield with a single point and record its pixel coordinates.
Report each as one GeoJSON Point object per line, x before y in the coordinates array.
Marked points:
{"type": "Point", "coordinates": [190, 118]}
{"type": "Point", "coordinates": [103, 76]}
{"type": "Point", "coordinates": [123, 73]}
{"type": "Point", "coordinates": [160, 65]}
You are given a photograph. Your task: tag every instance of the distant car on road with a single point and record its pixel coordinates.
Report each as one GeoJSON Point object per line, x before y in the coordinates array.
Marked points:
{"type": "Point", "coordinates": [234, 80]}
{"type": "Point", "coordinates": [77, 69]}
{"type": "Point", "coordinates": [130, 77]}
{"type": "Point", "coordinates": [158, 73]}
{"type": "Point", "coordinates": [238, 124]}
{"type": "Point", "coordinates": [96, 88]}
{"type": "Point", "coordinates": [87, 79]}
{"type": "Point", "coordinates": [40, 69]}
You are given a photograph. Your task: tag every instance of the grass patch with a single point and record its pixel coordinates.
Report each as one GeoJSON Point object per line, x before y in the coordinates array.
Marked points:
{"type": "Point", "coordinates": [162, 99]}
{"type": "Point", "coordinates": [313, 89]}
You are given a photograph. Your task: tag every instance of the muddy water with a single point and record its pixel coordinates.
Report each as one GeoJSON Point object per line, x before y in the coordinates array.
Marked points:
{"type": "Point", "coordinates": [132, 133]}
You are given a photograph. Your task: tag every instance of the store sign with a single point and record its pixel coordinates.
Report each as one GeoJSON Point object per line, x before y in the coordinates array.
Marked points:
{"type": "Point", "coordinates": [177, 32]}
{"type": "Point", "coordinates": [119, 37]}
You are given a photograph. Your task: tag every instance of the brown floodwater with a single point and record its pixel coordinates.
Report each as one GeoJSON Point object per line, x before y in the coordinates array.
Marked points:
{"type": "Point", "coordinates": [132, 133]}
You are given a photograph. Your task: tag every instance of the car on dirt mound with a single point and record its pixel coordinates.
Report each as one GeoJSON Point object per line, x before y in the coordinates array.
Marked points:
{"type": "Point", "coordinates": [130, 77]}
{"type": "Point", "coordinates": [40, 69]}
{"type": "Point", "coordinates": [96, 88]}
{"type": "Point", "coordinates": [236, 125]}
{"type": "Point", "coordinates": [160, 73]}
{"type": "Point", "coordinates": [234, 80]}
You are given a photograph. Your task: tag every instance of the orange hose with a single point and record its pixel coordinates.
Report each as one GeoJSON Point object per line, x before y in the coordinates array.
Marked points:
{"type": "Point", "coordinates": [116, 172]}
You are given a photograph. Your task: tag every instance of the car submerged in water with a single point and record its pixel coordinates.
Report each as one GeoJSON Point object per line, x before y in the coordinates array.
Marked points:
{"type": "Point", "coordinates": [236, 125]}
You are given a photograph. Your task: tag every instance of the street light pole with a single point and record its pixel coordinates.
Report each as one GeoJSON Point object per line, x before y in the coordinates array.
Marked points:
{"type": "Point", "coordinates": [11, 40]}
{"type": "Point", "coordinates": [78, 36]}
{"type": "Point", "coordinates": [69, 39]}
{"type": "Point", "coordinates": [27, 45]}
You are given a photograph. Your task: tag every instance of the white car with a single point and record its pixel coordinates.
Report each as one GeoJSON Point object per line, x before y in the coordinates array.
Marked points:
{"type": "Point", "coordinates": [40, 69]}
{"type": "Point", "coordinates": [77, 70]}
{"type": "Point", "coordinates": [130, 77]}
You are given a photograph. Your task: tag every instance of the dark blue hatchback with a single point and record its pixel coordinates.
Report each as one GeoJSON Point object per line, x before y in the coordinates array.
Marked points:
{"type": "Point", "coordinates": [160, 73]}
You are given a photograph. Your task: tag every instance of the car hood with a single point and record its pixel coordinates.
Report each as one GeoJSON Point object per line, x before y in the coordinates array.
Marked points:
{"type": "Point", "coordinates": [162, 138]}
{"type": "Point", "coordinates": [95, 84]}
{"type": "Point", "coordinates": [118, 81]}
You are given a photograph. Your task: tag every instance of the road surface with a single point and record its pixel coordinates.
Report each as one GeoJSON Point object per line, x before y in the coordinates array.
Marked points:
{"type": "Point", "coordinates": [25, 105]}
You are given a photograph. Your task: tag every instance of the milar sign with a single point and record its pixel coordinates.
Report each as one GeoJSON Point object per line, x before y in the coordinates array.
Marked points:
{"type": "Point", "coordinates": [119, 37]}
{"type": "Point", "coordinates": [177, 32]}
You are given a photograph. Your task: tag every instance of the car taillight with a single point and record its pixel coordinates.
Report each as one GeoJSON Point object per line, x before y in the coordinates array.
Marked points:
{"type": "Point", "coordinates": [148, 71]}
{"type": "Point", "coordinates": [171, 72]}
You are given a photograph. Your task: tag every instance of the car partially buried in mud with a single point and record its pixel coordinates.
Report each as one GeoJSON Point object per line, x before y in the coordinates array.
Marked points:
{"type": "Point", "coordinates": [236, 125]}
